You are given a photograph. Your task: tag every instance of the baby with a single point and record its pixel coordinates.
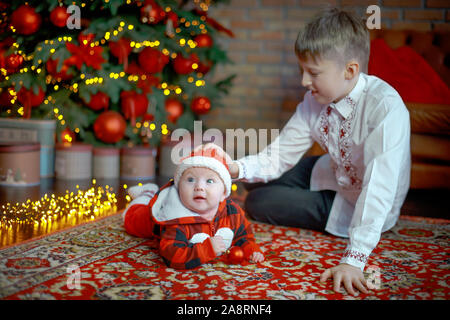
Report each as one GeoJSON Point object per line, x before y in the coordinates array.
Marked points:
{"type": "Point", "coordinates": [192, 216]}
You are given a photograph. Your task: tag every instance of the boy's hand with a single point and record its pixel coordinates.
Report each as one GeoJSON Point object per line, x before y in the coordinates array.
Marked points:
{"type": "Point", "coordinates": [257, 257]}
{"type": "Point", "coordinates": [347, 274]}
{"type": "Point", "coordinates": [218, 245]}
{"type": "Point", "coordinates": [233, 167]}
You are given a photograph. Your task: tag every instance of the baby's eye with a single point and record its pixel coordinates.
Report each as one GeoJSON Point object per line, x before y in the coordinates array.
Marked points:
{"type": "Point", "coordinates": [190, 179]}
{"type": "Point", "coordinates": [210, 181]}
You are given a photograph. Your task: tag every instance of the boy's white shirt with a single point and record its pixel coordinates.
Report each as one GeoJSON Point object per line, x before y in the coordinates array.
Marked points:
{"type": "Point", "coordinates": [367, 136]}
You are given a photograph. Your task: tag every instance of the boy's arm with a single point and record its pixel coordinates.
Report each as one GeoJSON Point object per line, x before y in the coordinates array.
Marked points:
{"type": "Point", "coordinates": [283, 153]}
{"type": "Point", "coordinates": [386, 157]}
{"type": "Point", "coordinates": [179, 253]}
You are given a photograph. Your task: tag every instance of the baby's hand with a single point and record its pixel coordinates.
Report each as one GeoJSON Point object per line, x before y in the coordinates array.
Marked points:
{"type": "Point", "coordinates": [257, 257]}
{"type": "Point", "coordinates": [218, 245]}
{"type": "Point", "coordinates": [148, 189]}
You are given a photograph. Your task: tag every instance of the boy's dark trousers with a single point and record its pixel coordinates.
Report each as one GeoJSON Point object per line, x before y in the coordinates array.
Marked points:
{"type": "Point", "coordinates": [288, 200]}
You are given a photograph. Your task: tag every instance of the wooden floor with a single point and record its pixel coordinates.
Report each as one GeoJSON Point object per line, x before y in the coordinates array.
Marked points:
{"type": "Point", "coordinates": [428, 203]}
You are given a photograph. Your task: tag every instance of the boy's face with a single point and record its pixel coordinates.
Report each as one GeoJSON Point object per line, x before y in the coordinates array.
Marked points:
{"type": "Point", "coordinates": [201, 190]}
{"type": "Point", "coordinates": [326, 79]}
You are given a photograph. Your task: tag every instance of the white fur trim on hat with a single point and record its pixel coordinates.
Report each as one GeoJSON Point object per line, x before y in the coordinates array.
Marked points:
{"type": "Point", "coordinates": [204, 162]}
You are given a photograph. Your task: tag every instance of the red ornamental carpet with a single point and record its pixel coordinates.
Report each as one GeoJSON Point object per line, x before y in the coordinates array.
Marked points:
{"type": "Point", "coordinates": [410, 262]}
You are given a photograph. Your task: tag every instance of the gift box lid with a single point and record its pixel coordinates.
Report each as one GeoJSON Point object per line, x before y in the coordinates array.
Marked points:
{"type": "Point", "coordinates": [19, 146]}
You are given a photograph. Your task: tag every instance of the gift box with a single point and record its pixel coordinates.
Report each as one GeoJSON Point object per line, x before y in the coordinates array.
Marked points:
{"type": "Point", "coordinates": [137, 163]}
{"type": "Point", "coordinates": [73, 161]}
{"type": "Point", "coordinates": [106, 163]}
{"type": "Point", "coordinates": [19, 163]}
{"type": "Point", "coordinates": [31, 130]}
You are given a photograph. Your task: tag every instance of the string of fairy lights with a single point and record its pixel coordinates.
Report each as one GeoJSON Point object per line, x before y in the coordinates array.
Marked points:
{"type": "Point", "coordinates": [89, 204]}
{"type": "Point", "coordinates": [167, 89]}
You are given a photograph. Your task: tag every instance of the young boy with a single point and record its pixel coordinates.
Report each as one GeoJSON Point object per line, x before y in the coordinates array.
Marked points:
{"type": "Point", "coordinates": [191, 214]}
{"type": "Point", "coordinates": [356, 190]}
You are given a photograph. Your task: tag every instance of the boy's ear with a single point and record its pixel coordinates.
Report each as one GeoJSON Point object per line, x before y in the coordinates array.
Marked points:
{"type": "Point", "coordinates": [351, 69]}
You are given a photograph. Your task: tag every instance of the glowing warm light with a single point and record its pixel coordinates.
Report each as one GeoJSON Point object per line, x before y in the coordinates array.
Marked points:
{"type": "Point", "coordinates": [90, 203]}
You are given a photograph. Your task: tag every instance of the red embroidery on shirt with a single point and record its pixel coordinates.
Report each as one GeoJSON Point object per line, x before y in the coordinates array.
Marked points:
{"type": "Point", "coordinates": [361, 257]}
{"type": "Point", "coordinates": [345, 143]}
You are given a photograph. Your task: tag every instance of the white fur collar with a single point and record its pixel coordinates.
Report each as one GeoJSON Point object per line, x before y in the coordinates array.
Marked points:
{"type": "Point", "coordinates": [168, 206]}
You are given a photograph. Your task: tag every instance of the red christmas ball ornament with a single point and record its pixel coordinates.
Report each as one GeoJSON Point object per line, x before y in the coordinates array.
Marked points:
{"type": "Point", "coordinates": [173, 17]}
{"type": "Point", "coordinates": [235, 255]}
{"type": "Point", "coordinates": [68, 135]}
{"type": "Point", "coordinates": [121, 49]}
{"type": "Point", "coordinates": [174, 108]}
{"type": "Point", "coordinates": [184, 65]}
{"type": "Point", "coordinates": [29, 99]}
{"type": "Point", "coordinates": [148, 117]}
{"type": "Point", "coordinates": [13, 62]}
{"type": "Point", "coordinates": [25, 20]}
{"type": "Point", "coordinates": [152, 60]}
{"type": "Point", "coordinates": [27, 96]}
{"type": "Point", "coordinates": [59, 16]}
{"type": "Point", "coordinates": [110, 126]}
{"type": "Point", "coordinates": [63, 74]}
{"type": "Point", "coordinates": [201, 105]}
{"type": "Point", "coordinates": [99, 101]}
{"type": "Point", "coordinates": [204, 67]}
{"type": "Point", "coordinates": [204, 41]}
{"type": "Point", "coordinates": [133, 105]}
{"type": "Point", "coordinates": [152, 13]}
{"type": "Point", "coordinates": [6, 97]}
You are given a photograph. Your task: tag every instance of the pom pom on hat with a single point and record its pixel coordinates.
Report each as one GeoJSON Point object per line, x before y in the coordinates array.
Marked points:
{"type": "Point", "coordinates": [205, 158]}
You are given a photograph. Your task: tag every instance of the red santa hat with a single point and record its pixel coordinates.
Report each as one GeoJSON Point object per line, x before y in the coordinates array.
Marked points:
{"type": "Point", "coordinates": [206, 158]}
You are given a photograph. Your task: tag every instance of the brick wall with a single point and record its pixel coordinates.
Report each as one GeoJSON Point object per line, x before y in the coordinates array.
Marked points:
{"type": "Point", "coordinates": [263, 51]}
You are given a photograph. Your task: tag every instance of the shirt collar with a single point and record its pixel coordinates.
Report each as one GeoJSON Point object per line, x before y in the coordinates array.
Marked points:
{"type": "Point", "coordinates": [346, 105]}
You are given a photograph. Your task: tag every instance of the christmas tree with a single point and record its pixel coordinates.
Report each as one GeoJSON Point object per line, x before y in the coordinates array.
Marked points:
{"type": "Point", "coordinates": [111, 72]}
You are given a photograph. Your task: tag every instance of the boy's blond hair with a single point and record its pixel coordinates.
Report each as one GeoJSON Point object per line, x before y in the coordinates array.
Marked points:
{"type": "Point", "coordinates": [336, 35]}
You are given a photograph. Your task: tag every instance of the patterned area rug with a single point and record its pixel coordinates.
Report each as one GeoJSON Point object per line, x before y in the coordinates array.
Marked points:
{"type": "Point", "coordinates": [99, 260]}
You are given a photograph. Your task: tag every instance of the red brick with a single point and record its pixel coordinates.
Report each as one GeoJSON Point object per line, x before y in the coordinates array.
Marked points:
{"type": "Point", "coordinates": [418, 26]}
{"type": "Point", "coordinates": [266, 13]}
{"type": "Point", "coordinates": [264, 81]}
{"type": "Point", "coordinates": [317, 3]}
{"type": "Point", "coordinates": [424, 15]}
{"type": "Point", "coordinates": [263, 58]}
{"type": "Point", "coordinates": [278, 46]}
{"type": "Point", "coordinates": [402, 3]}
{"type": "Point", "coordinates": [246, 24]}
{"type": "Point", "coordinates": [243, 3]}
{"type": "Point", "coordinates": [267, 35]}
{"type": "Point", "coordinates": [390, 14]}
{"type": "Point", "coordinates": [227, 12]}
{"type": "Point", "coordinates": [245, 46]}
{"type": "Point", "coordinates": [273, 92]}
{"type": "Point", "coordinates": [437, 4]}
{"type": "Point", "coordinates": [359, 3]}
{"type": "Point", "coordinates": [442, 27]}
{"type": "Point", "coordinates": [280, 3]}
{"type": "Point", "coordinates": [302, 13]}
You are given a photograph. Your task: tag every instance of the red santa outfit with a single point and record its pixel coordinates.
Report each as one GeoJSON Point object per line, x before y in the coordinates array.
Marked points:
{"type": "Point", "coordinates": [184, 235]}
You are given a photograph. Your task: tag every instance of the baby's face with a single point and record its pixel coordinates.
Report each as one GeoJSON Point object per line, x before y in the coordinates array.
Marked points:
{"type": "Point", "coordinates": [201, 190]}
